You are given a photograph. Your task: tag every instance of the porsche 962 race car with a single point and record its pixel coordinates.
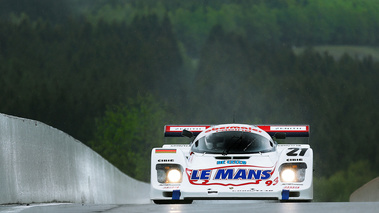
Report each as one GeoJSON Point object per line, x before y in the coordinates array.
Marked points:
{"type": "Point", "coordinates": [232, 161]}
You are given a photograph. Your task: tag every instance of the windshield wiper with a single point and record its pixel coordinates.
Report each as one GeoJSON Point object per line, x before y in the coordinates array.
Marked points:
{"type": "Point", "coordinates": [232, 144]}
{"type": "Point", "coordinates": [249, 144]}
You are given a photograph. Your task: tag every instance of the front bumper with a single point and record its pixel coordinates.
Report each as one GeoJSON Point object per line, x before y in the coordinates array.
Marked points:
{"type": "Point", "coordinates": [300, 194]}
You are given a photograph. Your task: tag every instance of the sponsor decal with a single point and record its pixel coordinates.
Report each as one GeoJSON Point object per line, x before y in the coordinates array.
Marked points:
{"type": "Point", "coordinates": [253, 190]}
{"type": "Point", "coordinates": [291, 130]}
{"type": "Point", "coordinates": [291, 160]}
{"type": "Point", "coordinates": [171, 187]}
{"type": "Point", "coordinates": [233, 128]}
{"type": "Point", "coordinates": [292, 187]}
{"type": "Point", "coordinates": [177, 145]}
{"type": "Point", "coordinates": [189, 128]}
{"type": "Point", "coordinates": [165, 160]}
{"type": "Point", "coordinates": [165, 151]}
{"type": "Point", "coordinates": [237, 175]}
{"type": "Point", "coordinates": [231, 162]}
{"type": "Point", "coordinates": [288, 128]}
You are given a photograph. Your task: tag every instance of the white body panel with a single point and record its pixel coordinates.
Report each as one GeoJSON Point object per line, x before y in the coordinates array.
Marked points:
{"type": "Point", "coordinates": [233, 176]}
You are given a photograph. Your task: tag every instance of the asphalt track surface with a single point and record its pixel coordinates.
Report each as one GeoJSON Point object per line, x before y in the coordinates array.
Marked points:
{"type": "Point", "coordinates": [199, 207]}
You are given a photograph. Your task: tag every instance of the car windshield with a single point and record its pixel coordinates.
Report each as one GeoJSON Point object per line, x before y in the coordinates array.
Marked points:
{"type": "Point", "coordinates": [233, 142]}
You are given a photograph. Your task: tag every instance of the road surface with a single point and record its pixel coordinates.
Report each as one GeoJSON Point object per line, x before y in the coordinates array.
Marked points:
{"type": "Point", "coordinates": [199, 207]}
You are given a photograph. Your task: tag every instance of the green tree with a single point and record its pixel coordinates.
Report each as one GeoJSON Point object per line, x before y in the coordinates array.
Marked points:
{"type": "Point", "coordinates": [126, 134]}
{"type": "Point", "coordinates": [342, 183]}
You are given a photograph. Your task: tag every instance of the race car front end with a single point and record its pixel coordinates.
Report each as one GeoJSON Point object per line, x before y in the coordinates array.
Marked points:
{"type": "Point", "coordinates": [182, 173]}
{"type": "Point", "coordinates": [168, 173]}
{"type": "Point", "coordinates": [255, 176]}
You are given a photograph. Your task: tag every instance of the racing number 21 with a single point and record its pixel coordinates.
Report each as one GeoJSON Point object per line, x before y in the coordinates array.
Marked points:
{"type": "Point", "coordinates": [294, 152]}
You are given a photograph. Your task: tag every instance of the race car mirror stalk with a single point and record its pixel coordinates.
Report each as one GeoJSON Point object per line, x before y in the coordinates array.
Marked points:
{"type": "Point", "coordinates": [280, 135]}
{"type": "Point", "coordinates": [237, 161]}
{"type": "Point", "coordinates": [187, 133]}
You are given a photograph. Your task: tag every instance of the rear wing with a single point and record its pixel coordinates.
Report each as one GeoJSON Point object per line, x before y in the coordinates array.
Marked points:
{"type": "Point", "coordinates": [176, 130]}
{"type": "Point", "coordinates": [289, 130]}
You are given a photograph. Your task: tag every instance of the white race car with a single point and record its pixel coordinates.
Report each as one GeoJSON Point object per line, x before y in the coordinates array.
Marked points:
{"type": "Point", "coordinates": [232, 161]}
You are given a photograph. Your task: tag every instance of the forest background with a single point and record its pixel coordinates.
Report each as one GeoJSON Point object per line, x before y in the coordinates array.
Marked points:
{"type": "Point", "coordinates": [112, 73]}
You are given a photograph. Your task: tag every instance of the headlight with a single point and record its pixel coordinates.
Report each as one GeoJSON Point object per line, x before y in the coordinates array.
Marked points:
{"type": "Point", "coordinates": [169, 173]}
{"type": "Point", "coordinates": [288, 175]}
{"type": "Point", "coordinates": [292, 172]}
{"type": "Point", "coordinates": [174, 176]}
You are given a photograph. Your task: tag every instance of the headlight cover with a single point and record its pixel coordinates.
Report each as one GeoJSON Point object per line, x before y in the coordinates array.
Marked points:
{"type": "Point", "coordinates": [169, 173]}
{"type": "Point", "coordinates": [292, 172]}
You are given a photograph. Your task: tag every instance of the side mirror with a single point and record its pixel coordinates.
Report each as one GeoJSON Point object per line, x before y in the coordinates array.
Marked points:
{"type": "Point", "coordinates": [280, 135]}
{"type": "Point", "coordinates": [187, 133]}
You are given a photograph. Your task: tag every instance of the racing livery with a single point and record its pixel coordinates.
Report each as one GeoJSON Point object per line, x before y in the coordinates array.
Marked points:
{"type": "Point", "coordinates": [232, 161]}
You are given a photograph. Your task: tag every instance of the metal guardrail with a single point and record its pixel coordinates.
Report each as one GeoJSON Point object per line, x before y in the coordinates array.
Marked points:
{"type": "Point", "coordinates": [367, 193]}
{"type": "Point", "coordinates": [41, 164]}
